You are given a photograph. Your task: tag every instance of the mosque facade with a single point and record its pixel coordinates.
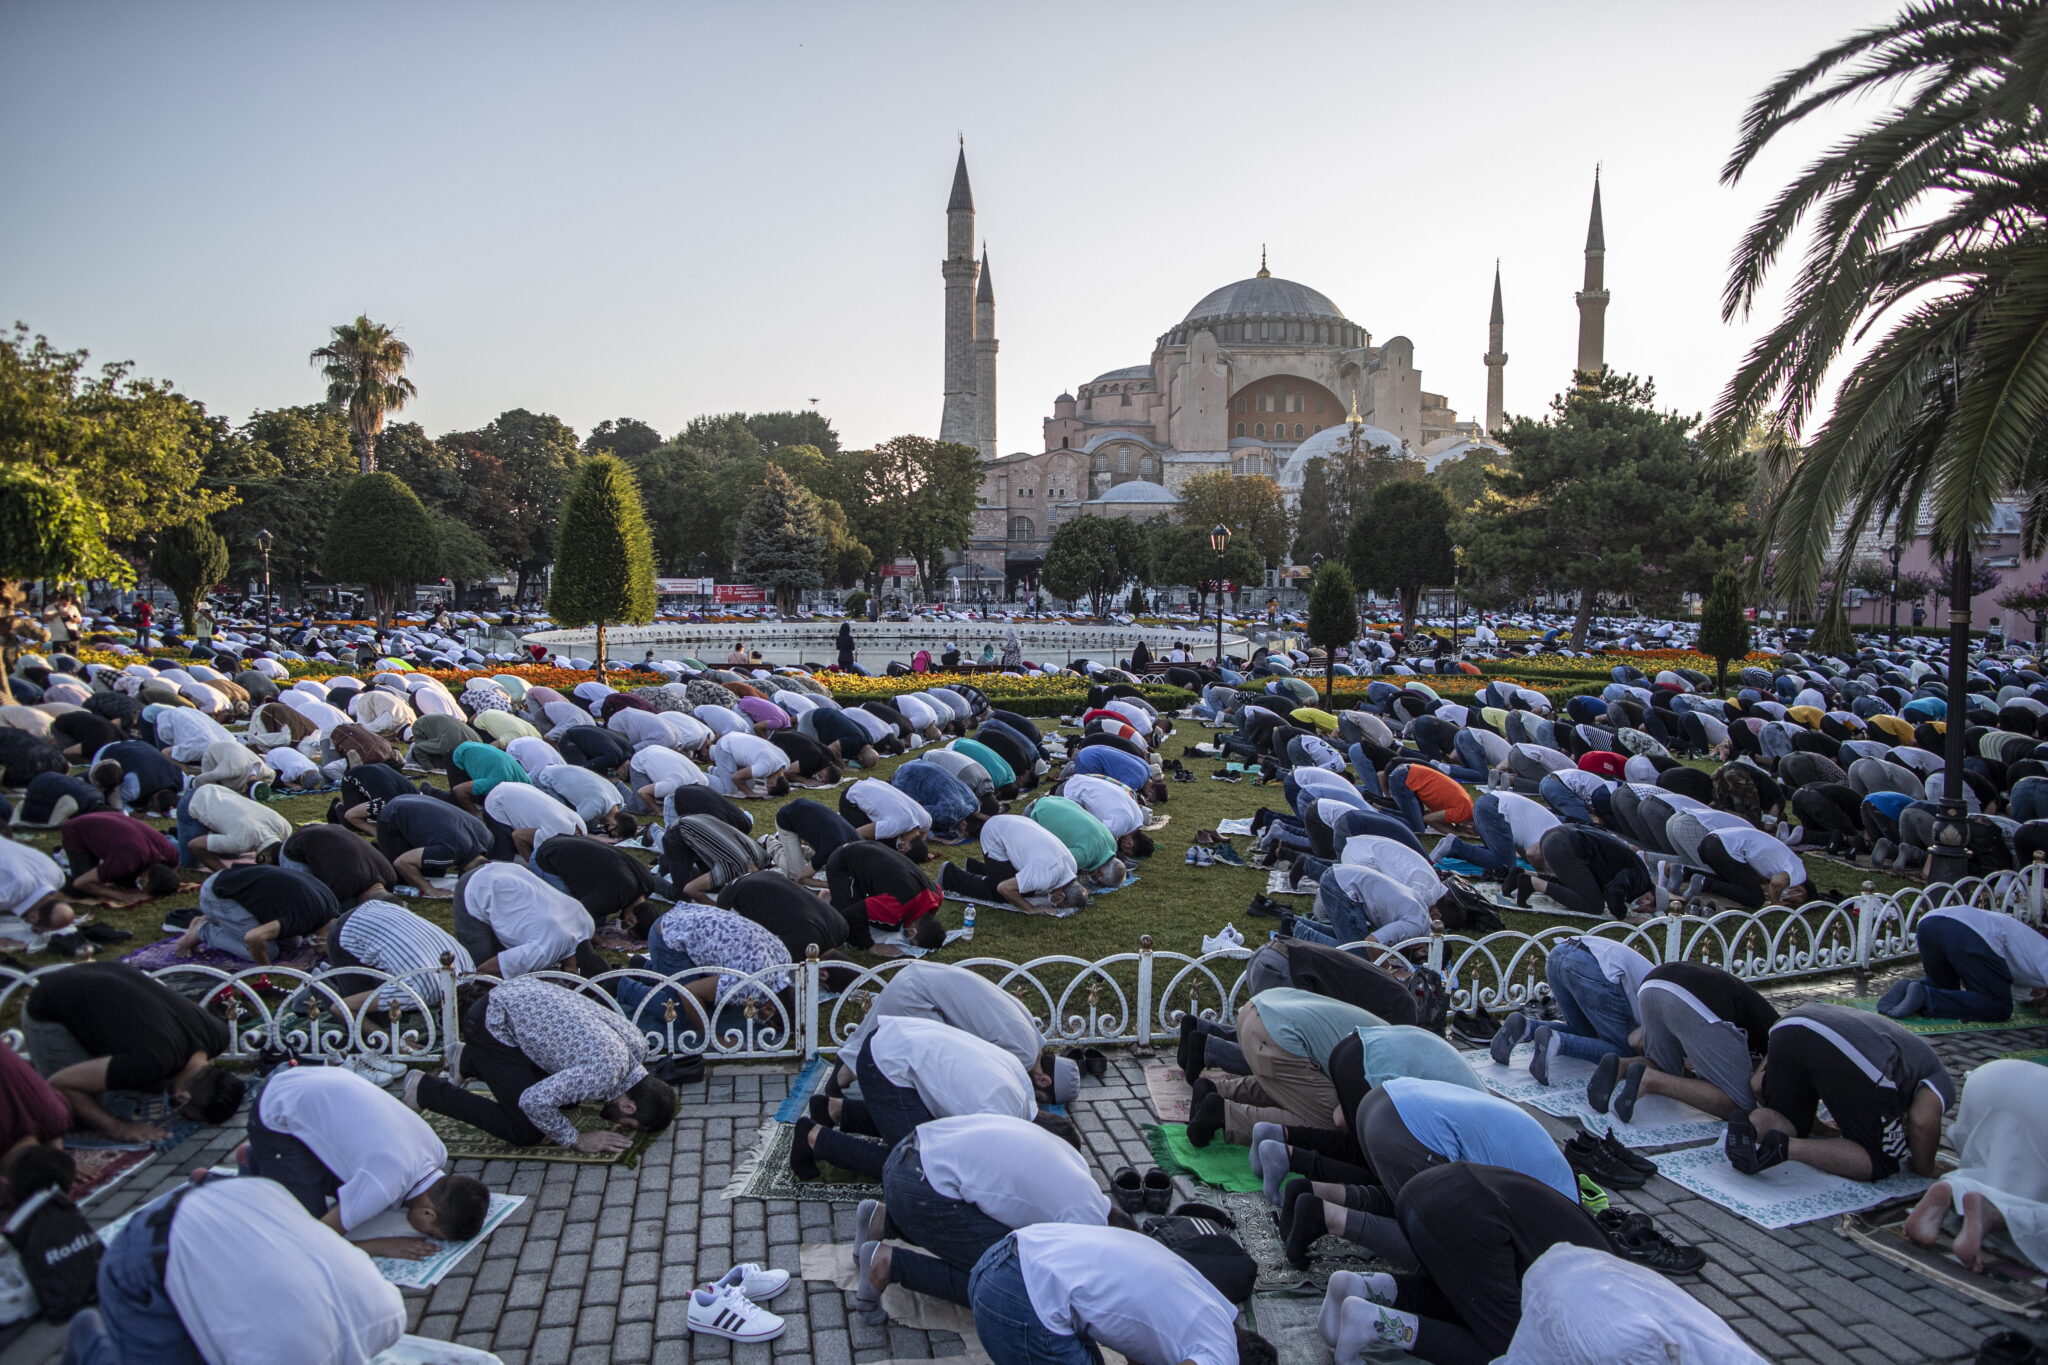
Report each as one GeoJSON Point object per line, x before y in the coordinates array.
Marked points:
{"type": "Point", "coordinates": [1261, 376]}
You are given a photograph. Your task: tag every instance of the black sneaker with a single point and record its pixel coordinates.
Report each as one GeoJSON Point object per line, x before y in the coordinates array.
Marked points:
{"type": "Point", "coordinates": [1627, 1155]}
{"type": "Point", "coordinates": [1586, 1155]}
{"type": "Point", "coordinates": [1264, 907]}
{"type": "Point", "coordinates": [178, 921]}
{"type": "Point", "coordinates": [1637, 1239]}
{"type": "Point", "coordinates": [1750, 1152]}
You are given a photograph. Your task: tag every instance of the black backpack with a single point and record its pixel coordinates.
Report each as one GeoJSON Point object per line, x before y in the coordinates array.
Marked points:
{"type": "Point", "coordinates": [60, 1253]}
{"type": "Point", "coordinates": [1464, 911]}
{"type": "Point", "coordinates": [1432, 999]}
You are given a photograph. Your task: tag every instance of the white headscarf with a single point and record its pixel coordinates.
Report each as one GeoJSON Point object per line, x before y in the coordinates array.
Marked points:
{"type": "Point", "coordinates": [1586, 1307]}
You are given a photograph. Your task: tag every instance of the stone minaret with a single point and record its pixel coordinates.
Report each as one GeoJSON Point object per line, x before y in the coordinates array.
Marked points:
{"type": "Point", "coordinates": [957, 420]}
{"type": "Point", "coordinates": [1593, 298]}
{"type": "Point", "coordinates": [985, 362]}
{"type": "Point", "coordinates": [1496, 363]}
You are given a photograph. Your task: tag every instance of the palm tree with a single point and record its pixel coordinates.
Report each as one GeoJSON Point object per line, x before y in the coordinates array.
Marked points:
{"type": "Point", "coordinates": [364, 366]}
{"type": "Point", "coordinates": [1927, 235]}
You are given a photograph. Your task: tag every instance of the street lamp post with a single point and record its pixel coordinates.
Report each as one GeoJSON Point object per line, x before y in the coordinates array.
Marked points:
{"type": "Point", "coordinates": [1894, 553]}
{"type": "Point", "coordinates": [263, 539]}
{"type": "Point", "coordinates": [1219, 541]}
{"type": "Point", "coordinates": [147, 544]}
{"type": "Point", "coordinates": [1457, 610]}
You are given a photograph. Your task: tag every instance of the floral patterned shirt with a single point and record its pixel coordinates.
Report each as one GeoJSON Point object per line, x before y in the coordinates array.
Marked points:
{"type": "Point", "coordinates": [731, 942]}
{"type": "Point", "coordinates": [591, 1053]}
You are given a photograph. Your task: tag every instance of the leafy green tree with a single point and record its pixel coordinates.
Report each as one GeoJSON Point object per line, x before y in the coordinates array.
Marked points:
{"type": "Point", "coordinates": [465, 556]}
{"type": "Point", "coordinates": [288, 467]}
{"type": "Point", "coordinates": [190, 559]}
{"type": "Point", "coordinates": [364, 364]}
{"type": "Point", "coordinates": [47, 531]}
{"type": "Point", "coordinates": [1250, 505]}
{"type": "Point", "coordinates": [1606, 495]}
{"type": "Point", "coordinates": [846, 560]}
{"type": "Point", "coordinates": [782, 544]}
{"type": "Point", "coordinates": [1464, 479]}
{"type": "Point", "coordinates": [604, 567]}
{"type": "Point", "coordinates": [1334, 489]}
{"type": "Point", "coordinates": [520, 485]}
{"type": "Point", "coordinates": [430, 468]}
{"type": "Point", "coordinates": [1180, 553]}
{"type": "Point", "coordinates": [1724, 628]}
{"type": "Point", "coordinates": [775, 429]}
{"type": "Point", "coordinates": [1401, 543]}
{"type": "Point", "coordinates": [917, 498]}
{"type": "Point", "coordinates": [381, 537]}
{"type": "Point", "coordinates": [1086, 561]}
{"type": "Point", "coordinates": [133, 448]}
{"type": "Point", "coordinates": [2030, 602]}
{"type": "Point", "coordinates": [1332, 617]}
{"type": "Point", "coordinates": [629, 438]}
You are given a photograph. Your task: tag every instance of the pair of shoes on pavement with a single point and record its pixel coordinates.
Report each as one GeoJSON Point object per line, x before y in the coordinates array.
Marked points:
{"type": "Point", "coordinates": [1135, 1193]}
{"type": "Point", "coordinates": [1604, 1158]}
{"type": "Point", "coordinates": [1635, 1238]}
{"type": "Point", "coordinates": [1751, 1152]}
{"type": "Point", "coordinates": [730, 1306]}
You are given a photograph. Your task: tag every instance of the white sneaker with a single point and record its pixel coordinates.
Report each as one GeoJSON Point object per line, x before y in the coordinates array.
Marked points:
{"type": "Point", "coordinates": [722, 1311]}
{"type": "Point", "coordinates": [1226, 940]}
{"type": "Point", "coordinates": [754, 1281]}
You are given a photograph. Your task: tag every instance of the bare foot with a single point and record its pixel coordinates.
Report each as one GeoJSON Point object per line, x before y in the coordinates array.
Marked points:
{"type": "Point", "coordinates": [1924, 1225]}
{"type": "Point", "coordinates": [189, 940]}
{"type": "Point", "coordinates": [1980, 1218]}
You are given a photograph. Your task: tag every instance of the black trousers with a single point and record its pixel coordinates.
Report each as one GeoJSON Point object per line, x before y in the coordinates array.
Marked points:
{"type": "Point", "coordinates": [1396, 1155]}
{"type": "Point", "coordinates": [508, 1072]}
{"type": "Point", "coordinates": [291, 1163]}
{"type": "Point", "coordinates": [1572, 883]}
{"type": "Point", "coordinates": [982, 878]}
{"type": "Point", "coordinates": [1732, 878]}
{"type": "Point", "coordinates": [1329, 1155]}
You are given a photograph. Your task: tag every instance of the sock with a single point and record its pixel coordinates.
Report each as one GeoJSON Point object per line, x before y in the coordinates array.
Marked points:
{"type": "Point", "coordinates": [803, 1162]}
{"type": "Point", "coordinates": [1364, 1323]}
{"type": "Point", "coordinates": [1309, 1224]}
{"type": "Point", "coordinates": [1379, 1287]}
{"type": "Point", "coordinates": [1271, 1160]}
{"type": "Point", "coordinates": [1206, 1120]}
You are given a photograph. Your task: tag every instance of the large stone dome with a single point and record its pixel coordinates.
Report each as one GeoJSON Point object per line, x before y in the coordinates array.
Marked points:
{"type": "Point", "coordinates": [1331, 440]}
{"type": "Point", "coordinates": [1263, 296]}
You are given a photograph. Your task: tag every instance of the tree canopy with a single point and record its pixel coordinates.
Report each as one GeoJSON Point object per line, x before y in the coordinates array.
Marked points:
{"type": "Point", "coordinates": [1332, 617]}
{"type": "Point", "coordinates": [1251, 505]}
{"type": "Point", "coordinates": [1401, 543]}
{"type": "Point", "coordinates": [781, 541]}
{"type": "Point", "coordinates": [604, 565]}
{"type": "Point", "coordinates": [1092, 557]}
{"type": "Point", "coordinates": [190, 559]}
{"type": "Point", "coordinates": [1334, 490]}
{"type": "Point", "coordinates": [364, 364]}
{"type": "Point", "coordinates": [381, 537]}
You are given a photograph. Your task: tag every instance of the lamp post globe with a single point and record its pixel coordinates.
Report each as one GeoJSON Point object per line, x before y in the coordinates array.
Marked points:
{"type": "Point", "coordinates": [263, 539]}
{"type": "Point", "coordinates": [1219, 541]}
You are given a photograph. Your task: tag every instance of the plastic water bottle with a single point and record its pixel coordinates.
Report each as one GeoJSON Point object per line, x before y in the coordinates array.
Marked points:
{"type": "Point", "coordinates": [967, 925]}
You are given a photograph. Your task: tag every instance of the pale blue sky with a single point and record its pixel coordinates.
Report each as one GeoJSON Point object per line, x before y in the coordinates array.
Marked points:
{"type": "Point", "coordinates": [661, 210]}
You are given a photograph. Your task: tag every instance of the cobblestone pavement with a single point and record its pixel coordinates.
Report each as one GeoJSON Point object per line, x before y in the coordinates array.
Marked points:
{"type": "Point", "coordinates": [597, 1265]}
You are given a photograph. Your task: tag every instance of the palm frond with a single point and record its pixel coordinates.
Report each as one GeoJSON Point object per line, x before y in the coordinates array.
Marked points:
{"type": "Point", "coordinates": [2002, 403]}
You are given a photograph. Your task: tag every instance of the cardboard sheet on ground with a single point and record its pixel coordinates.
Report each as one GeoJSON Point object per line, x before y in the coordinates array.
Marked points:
{"type": "Point", "coordinates": [1659, 1121]}
{"type": "Point", "coordinates": [2023, 1016]}
{"type": "Point", "coordinates": [426, 1273]}
{"type": "Point", "coordinates": [1171, 1094]}
{"type": "Point", "coordinates": [1784, 1195]}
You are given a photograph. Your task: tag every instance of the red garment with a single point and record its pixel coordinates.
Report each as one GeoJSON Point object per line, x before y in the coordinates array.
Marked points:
{"type": "Point", "coordinates": [28, 1106]}
{"type": "Point", "coordinates": [120, 847]}
{"type": "Point", "coordinates": [1605, 763]}
{"type": "Point", "coordinates": [889, 910]}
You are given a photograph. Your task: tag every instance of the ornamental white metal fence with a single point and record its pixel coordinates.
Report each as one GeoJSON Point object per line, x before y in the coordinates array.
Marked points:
{"type": "Point", "coordinates": [1126, 998]}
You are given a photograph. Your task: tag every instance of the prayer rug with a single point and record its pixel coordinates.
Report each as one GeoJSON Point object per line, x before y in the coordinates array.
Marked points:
{"type": "Point", "coordinates": [462, 1140]}
{"type": "Point", "coordinates": [1159, 822]}
{"type": "Point", "coordinates": [102, 1168]}
{"type": "Point", "coordinates": [1047, 913]}
{"type": "Point", "coordinates": [1259, 1234]}
{"type": "Point", "coordinates": [2039, 1057]}
{"type": "Point", "coordinates": [2023, 1016]}
{"type": "Point", "coordinates": [800, 1087]}
{"type": "Point", "coordinates": [1243, 826]}
{"type": "Point", "coordinates": [2007, 1283]}
{"type": "Point", "coordinates": [893, 938]}
{"type": "Point", "coordinates": [1784, 1195]}
{"type": "Point", "coordinates": [764, 1174]}
{"type": "Point", "coordinates": [412, 1350]}
{"type": "Point", "coordinates": [163, 953]}
{"type": "Point", "coordinates": [1659, 1121]}
{"type": "Point", "coordinates": [1221, 1165]}
{"type": "Point", "coordinates": [1276, 885]}
{"type": "Point", "coordinates": [429, 1271]}
{"type": "Point", "coordinates": [1170, 1092]}
{"type": "Point", "coordinates": [131, 1107]}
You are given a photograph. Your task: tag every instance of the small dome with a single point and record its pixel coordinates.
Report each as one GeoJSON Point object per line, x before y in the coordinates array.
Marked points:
{"type": "Point", "coordinates": [1329, 441]}
{"type": "Point", "coordinates": [1064, 398]}
{"type": "Point", "coordinates": [1264, 295]}
{"type": "Point", "coordinates": [1138, 490]}
{"type": "Point", "coordinates": [1446, 449]}
{"type": "Point", "coordinates": [1128, 372]}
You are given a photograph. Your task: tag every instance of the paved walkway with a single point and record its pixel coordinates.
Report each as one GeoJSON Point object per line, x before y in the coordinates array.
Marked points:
{"type": "Point", "coordinates": [597, 1265]}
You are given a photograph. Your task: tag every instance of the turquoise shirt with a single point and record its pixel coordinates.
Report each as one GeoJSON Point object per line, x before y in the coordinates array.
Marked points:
{"type": "Point", "coordinates": [1310, 1025]}
{"type": "Point", "coordinates": [1404, 1050]}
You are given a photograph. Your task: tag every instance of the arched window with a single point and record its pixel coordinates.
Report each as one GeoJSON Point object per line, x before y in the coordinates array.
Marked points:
{"type": "Point", "coordinates": [1297, 431]}
{"type": "Point", "coordinates": [1240, 407]}
{"type": "Point", "coordinates": [1148, 468]}
{"type": "Point", "coordinates": [1240, 425]}
{"type": "Point", "coordinates": [1123, 459]}
{"type": "Point", "coordinates": [1260, 431]}
{"type": "Point", "coordinates": [1065, 441]}
{"type": "Point", "coordinates": [1021, 528]}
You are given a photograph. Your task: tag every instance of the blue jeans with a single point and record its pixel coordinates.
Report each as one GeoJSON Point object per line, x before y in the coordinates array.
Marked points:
{"type": "Point", "coordinates": [1966, 977]}
{"type": "Point", "coordinates": [1566, 802]}
{"type": "Point", "coordinates": [1496, 849]}
{"type": "Point", "coordinates": [188, 829]}
{"type": "Point", "coordinates": [1406, 803]}
{"type": "Point", "coordinates": [955, 1232]}
{"type": "Point", "coordinates": [1008, 1325]}
{"type": "Point", "coordinates": [1372, 820]}
{"type": "Point", "coordinates": [2030, 799]}
{"type": "Point", "coordinates": [1471, 764]}
{"type": "Point", "coordinates": [136, 1320]}
{"type": "Point", "coordinates": [1597, 1017]}
{"type": "Point", "coordinates": [633, 991]}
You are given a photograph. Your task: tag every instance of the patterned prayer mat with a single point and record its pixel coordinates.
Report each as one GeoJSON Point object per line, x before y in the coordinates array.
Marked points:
{"type": "Point", "coordinates": [2023, 1016]}
{"type": "Point", "coordinates": [764, 1174]}
{"type": "Point", "coordinates": [2007, 1284]}
{"type": "Point", "coordinates": [1783, 1195]}
{"type": "Point", "coordinates": [1171, 1094]}
{"type": "Point", "coordinates": [162, 953]}
{"type": "Point", "coordinates": [801, 1087]}
{"type": "Point", "coordinates": [132, 1107]}
{"type": "Point", "coordinates": [102, 1168]}
{"type": "Point", "coordinates": [465, 1141]}
{"type": "Point", "coordinates": [1258, 1232]}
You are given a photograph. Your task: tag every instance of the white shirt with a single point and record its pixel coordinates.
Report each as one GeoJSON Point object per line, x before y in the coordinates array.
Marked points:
{"type": "Point", "coordinates": [234, 823]}
{"type": "Point", "coordinates": [538, 925]}
{"type": "Point", "coordinates": [877, 728]}
{"type": "Point", "coordinates": [952, 1071]}
{"type": "Point", "coordinates": [1015, 1172]}
{"type": "Point", "coordinates": [534, 754]}
{"type": "Point", "coordinates": [2025, 951]}
{"type": "Point", "coordinates": [723, 720]}
{"type": "Point", "coordinates": [1395, 859]}
{"type": "Point", "coordinates": [1108, 801]}
{"type": "Point", "coordinates": [1043, 863]}
{"type": "Point", "coordinates": [1528, 819]}
{"type": "Point", "coordinates": [1585, 784]}
{"type": "Point", "coordinates": [915, 709]}
{"type": "Point", "coordinates": [641, 727]}
{"type": "Point", "coordinates": [685, 730]}
{"type": "Point", "coordinates": [519, 805]}
{"type": "Point", "coordinates": [734, 752]}
{"type": "Point", "coordinates": [26, 876]}
{"type": "Point", "coordinates": [590, 796]}
{"type": "Point", "coordinates": [891, 812]}
{"type": "Point", "coordinates": [1126, 1291]}
{"type": "Point", "coordinates": [1394, 911]}
{"type": "Point", "coordinates": [1132, 712]}
{"type": "Point", "coordinates": [1309, 779]}
{"type": "Point", "coordinates": [665, 770]}
{"type": "Point", "coordinates": [257, 1280]}
{"type": "Point", "coordinates": [382, 1152]}
{"type": "Point", "coordinates": [1766, 853]}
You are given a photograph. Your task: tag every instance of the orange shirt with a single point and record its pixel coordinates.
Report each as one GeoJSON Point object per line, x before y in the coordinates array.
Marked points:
{"type": "Point", "coordinates": [1440, 793]}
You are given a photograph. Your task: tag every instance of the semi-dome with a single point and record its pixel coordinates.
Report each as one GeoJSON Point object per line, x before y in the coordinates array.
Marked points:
{"type": "Point", "coordinates": [1138, 490]}
{"type": "Point", "coordinates": [1329, 441]}
{"type": "Point", "coordinates": [1264, 296]}
{"type": "Point", "coordinates": [1127, 372]}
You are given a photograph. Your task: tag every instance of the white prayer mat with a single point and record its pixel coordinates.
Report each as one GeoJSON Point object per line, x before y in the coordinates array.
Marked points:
{"type": "Point", "coordinates": [1784, 1195]}
{"type": "Point", "coordinates": [1276, 885]}
{"type": "Point", "coordinates": [412, 1350]}
{"type": "Point", "coordinates": [430, 1271]}
{"type": "Point", "coordinates": [894, 939]}
{"type": "Point", "coordinates": [1159, 822]}
{"type": "Point", "coordinates": [1659, 1121]}
{"type": "Point", "coordinates": [1243, 826]}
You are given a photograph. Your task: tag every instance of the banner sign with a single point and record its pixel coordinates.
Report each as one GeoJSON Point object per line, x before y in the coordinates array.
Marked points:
{"type": "Point", "coordinates": [899, 571]}
{"type": "Point", "coordinates": [679, 587]}
{"type": "Point", "coordinates": [739, 592]}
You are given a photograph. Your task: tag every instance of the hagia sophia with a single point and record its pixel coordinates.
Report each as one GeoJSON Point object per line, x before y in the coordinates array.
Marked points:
{"type": "Point", "coordinates": [1262, 376]}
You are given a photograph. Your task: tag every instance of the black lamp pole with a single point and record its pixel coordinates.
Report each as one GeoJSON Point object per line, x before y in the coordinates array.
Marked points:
{"type": "Point", "coordinates": [263, 539]}
{"type": "Point", "coordinates": [1219, 541]}
{"type": "Point", "coordinates": [1894, 553]}
{"type": "Point", "coordinates": [1950, 856]}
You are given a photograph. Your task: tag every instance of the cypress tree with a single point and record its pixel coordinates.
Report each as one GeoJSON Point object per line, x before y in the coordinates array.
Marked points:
{"type": "Point", "coordinates": [604, 554]}
{"type": "Point", "coordinates": [1332, 618]}
{"type": "Point", "coordinates": [381, 537]}
{"type": "Point", "coordinates": [1724, 630]}
{"type": "Point", "coordinates": [190, 559]}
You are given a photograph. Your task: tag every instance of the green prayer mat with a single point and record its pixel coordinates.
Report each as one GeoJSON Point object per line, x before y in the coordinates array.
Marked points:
{"type": "Point", "coordinates": [1220, 1164]}
{"type": "Point", "coordinates": [2023, 1016]}
{"type": "Point", "coordinates": [2039, 1057]}
{"type": "Point", "coordinates": [462, 1140]}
